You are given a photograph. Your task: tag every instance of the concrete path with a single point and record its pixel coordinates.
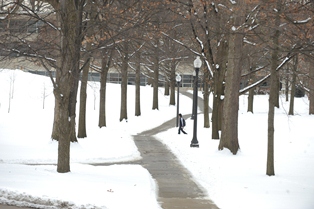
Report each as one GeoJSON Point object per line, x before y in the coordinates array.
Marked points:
{"type": "Point", "coordinates": [176, 186]}
{"type": "Point", "coordinates": [177, 190]}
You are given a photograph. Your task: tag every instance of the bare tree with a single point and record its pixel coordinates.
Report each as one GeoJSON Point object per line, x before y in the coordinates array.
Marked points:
{"type": "Point", "coordinates": [137, 84]}
{"type": "Point", "coordinates": [293, 83]}
{"type": "Point", "coordinates": [106, 59]}
{"type": "Point", "coordinates": [90, 15]}
{"type": "Point", "coordinates": [273, 90]}
{"type": "Point", "coordinates": [229, 134]}
{"type": "Point", "coordinates": [124, 80]}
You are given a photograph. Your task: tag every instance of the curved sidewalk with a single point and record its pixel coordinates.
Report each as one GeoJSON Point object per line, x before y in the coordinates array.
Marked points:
{"type": "Point", "coordinates": [177, 189]}
{"type": "Point", "coordinates": [176, 186]}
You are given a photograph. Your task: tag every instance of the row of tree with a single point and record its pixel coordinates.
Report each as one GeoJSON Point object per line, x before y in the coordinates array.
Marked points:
{"type": "Point", "coordinates": [248, 42]}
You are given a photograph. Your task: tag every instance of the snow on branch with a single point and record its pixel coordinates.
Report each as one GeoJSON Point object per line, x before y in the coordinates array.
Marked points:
{"type": "Point", "coordinates": [232, 2]}
{"type": "Point", "coordinates": [242, 91]}
{"type": "Point", "coordinates": [287, 58]}
{"type": "Point", "coordinates": [249, 42]}
{"type": "Point", "coordinates": [181, 43]}
{"type": "Point", "coordinates": [253, 27]}
{"type": "Point", "coordinates": [304, 87]}
{"type": "Point", "coordinates": [209, 68]}
{"type": "Point", "coordinates": [302, 21]}
{"type": "Point", "coordinates": [195, 52]}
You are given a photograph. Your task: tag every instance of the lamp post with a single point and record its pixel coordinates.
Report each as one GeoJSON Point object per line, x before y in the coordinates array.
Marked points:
{"type": "Point", "coordinates": [178, 79]}
{"type": "Point", "coordinates": [194, 89]}
{"type": "Point", "coordinates": [197, 65]}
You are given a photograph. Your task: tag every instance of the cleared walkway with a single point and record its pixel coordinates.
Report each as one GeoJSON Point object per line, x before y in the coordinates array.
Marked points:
{"type": "Point", "coordinates": [176, 186]}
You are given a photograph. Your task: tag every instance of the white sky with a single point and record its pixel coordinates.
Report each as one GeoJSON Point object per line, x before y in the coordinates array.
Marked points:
{"type": "Point", "coordinates": [231, 181]}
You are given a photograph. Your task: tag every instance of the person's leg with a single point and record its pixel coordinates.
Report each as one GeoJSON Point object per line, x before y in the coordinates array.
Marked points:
{"type": "Point", "coordinates": [179, 130]}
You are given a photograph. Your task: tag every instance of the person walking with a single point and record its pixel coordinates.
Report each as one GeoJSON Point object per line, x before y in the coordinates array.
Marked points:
{"type": "Point", "coordinates": [181, 124]}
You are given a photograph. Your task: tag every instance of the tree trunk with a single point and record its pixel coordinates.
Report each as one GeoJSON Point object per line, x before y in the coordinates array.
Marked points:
{"type": "Point", "coordinates": [167, 82]}
{"type": "Point", "coordinates": [66, 91]}
{"type": "Point", "coordinates": [292, 93]}
{"type": "Point", "coordinates": [215, 115]}
{"type": "Point", "coordinates": [87, 60]}
{"type": "Point", "coordinates": [102, 98]}
{"type": "Point", "coordinates": [270, 170]}
{"type": "Point", "coordinates": [229, 129]}
{"type": "Point", "coordinates": [172, 83]}
{"type": "Point", "coordinates": [293, 83]}
{"type": "Point", "coordinates": [138, 85]}
{"type": "Point", "coordinates": [105, 64]}
{"type": "Point", "coordinates": [219, 78]}
{"type": "Point", "coordinates": [55, 131]}
{"type": "Point", "coordinates": [124, 83]}
{"type": "Point", "coordinates": [83, 96]}
{"type": "Point", "coordinates": [72, 105]}
{"type": "Point", "coordinates": [287, 85]}
{"type": "Point", "coordinates": [206, 98]}
{"type": "Point", "coordinates": [250, 100]}
{"type": "Point", "coordinates": [277, 93]}
{"type": "Point", "coordinates": [250, 97]}
{"type": "Point", "coordinates": [166, 87]}
{"type": "Point", "coordinates": [64, 127]}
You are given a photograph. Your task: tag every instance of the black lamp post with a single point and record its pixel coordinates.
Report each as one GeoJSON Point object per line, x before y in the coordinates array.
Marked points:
{"type": "Point", "coordinates": [178, 79]}
{"type": "Point", "coordinates": [194, 89]}
{"type": "Point", "coordinates": [197, 65]}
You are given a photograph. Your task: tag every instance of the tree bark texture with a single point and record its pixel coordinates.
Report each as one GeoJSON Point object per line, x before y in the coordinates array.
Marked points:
{"type": "Point", "coordinates": [102, 97]}
{"type": "Point", "coordinates": [72, 106]}
{"type": "Point", "coordinates": [172, 83]}
{"type": "Point", "coordinates": [66, 91]}
{"type": "Point", "coordinates": [81, 133]}
{"type": "Point", "coordinates": [292, 93]}
{"type": "Point", "coordinates": [277, 93]}
{"type": "Point", "coordinates": [219, 78]}
{"type": "Point", "coordinates": [250, 97]}
{"type": "Point", "coordinates": [229, 129]}
{"type": "Point", "coordinates": [55, 131]}
{"type": "Point", "coordinates": [85, 70]}
{"type": "Point", "coordinates": [166, 87]}
{"type": "Point", "coordinates": [105, 64]}
{"type": "Point", "coordinates": [250, 100]}
{"type": "Point", "coordinates": [287, 85]}
{"type": "Point", "coordinates": [270, 168]}
{"type": "Point", "coordinates": [293, 83]}
{"type": "Point", "coordinates": [206, 98]}
{"type": "Point", "coordinates": [138, 85]}
{"type": "Point", "coordinates": [124, 83]}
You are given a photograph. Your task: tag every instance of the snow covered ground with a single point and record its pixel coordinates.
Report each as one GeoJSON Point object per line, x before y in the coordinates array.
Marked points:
{"type": "Point", "coordinates": [231, 181]}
